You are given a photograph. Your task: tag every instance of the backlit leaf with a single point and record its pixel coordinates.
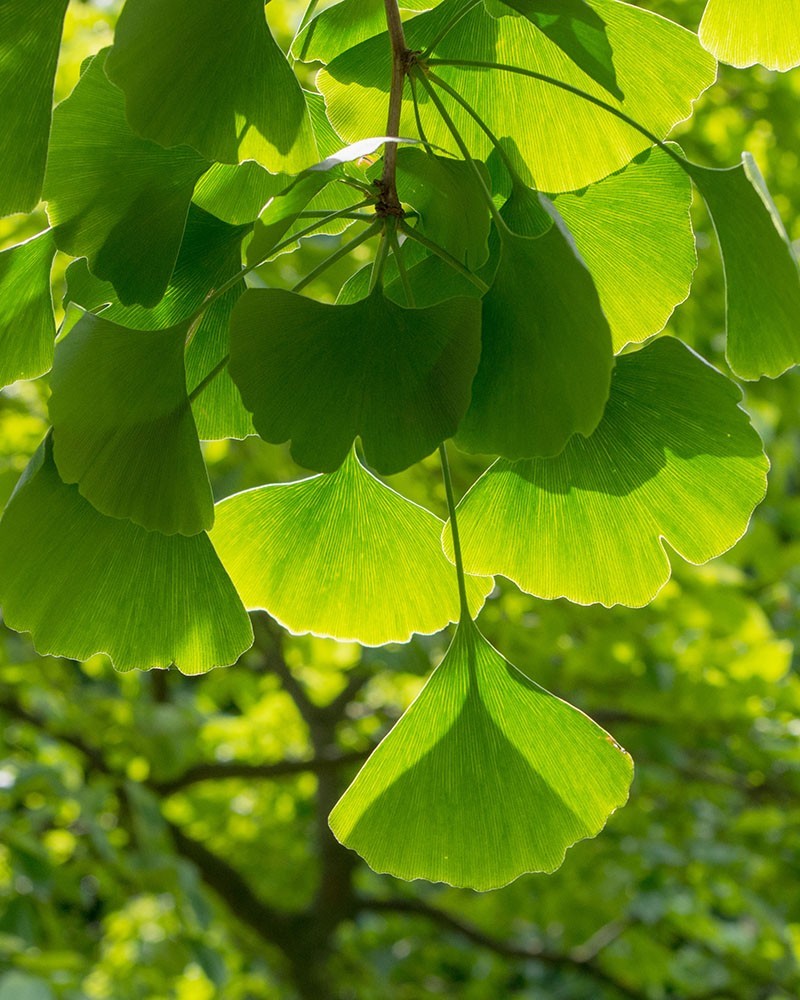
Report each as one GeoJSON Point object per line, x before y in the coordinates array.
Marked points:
{"type": "Point", "coordinates": [566, 142]}
{"type": "Point", "coordinates": [762, 278]}
{"type": "Point", "coordinates": [213, 78]}
{"type": "Point", "coordinates": [341, 555]}
{"type": "Point", "coordinates": [27, 324]}
{"type": "Point", "coordinates": [546, 359]}
{"type": "Point", "coordinates": [127, 213]}
{"type": "Point", "coordinates": [674, 459]}
{"type": "Point", "coordinates": [485, 777]}
{"type": "Point", "coordinates": [30, 36]}
{"type": "Point", "coordinates": [321, 375]}
{"type": "Point", "coordinates": [123, 426]}
{"type": "Point", "coordinates": [741, 34]}
{"type": "Point", "coordinates": [82, 583]}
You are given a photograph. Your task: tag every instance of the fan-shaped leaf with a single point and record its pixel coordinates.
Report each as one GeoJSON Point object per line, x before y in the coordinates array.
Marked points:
{"type": "Point", "coordinates": [31, 35]}
{"type": "Point", "coordinates": [485, 777]}
{"type": "Point", "coordinates": [321, 375]}
{"type": "Point", "coordinates": [546, 359]}
{"type": "Point", "coordinates": [128, 212]}
{"type": "Point", "coordinates": [82, 583]}
{"type": "Point", "coordinates": [762, 278]}
{"type": "Point", "coordinates": [634, 231]}
{"type": "Point", "coordinates": [123, 426]}
{"type": "Point", "coordinates": [213, 78]}
{"type": "Point", "coordinates": [27, 324]}
{"type": "Point", "coordinates": [567, 142]}
{"type": "Point", "coordinates": [745, 33]}
{"type": "Point", "coordinates": [341, 555]}
{"type": "Point", "coordinates": [674, 458]}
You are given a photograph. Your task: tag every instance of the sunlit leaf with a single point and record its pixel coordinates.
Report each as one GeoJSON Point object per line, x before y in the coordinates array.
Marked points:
{"type": "Point", "coordinates": [127, 212]}
{"type": "Point", "coordinates": [341, 555]}
{"type": "Point", "coordinates": [563, 141]}
{"type": "Point", "coordinates": [82, 583]}
{"type": "Point", "coordinates": [211, 78]}
{"type": "Point", "coordinates": [485, 777]}
{"type": "Point", "coordinates": [27, 324]}
{"type": "Point", "coordinates": [674, 459]}
{"type": "Point", "coordinates": [30, 35]}
{"type": "Point", "coordinates": [123, 426]}
{"type": "Point", "coordinates": [634, 231]}
{"type": "Point", "coordinates": [576, 28]}
{"type": "Point", "coordinates": [762, 278]}
{"type": "Point", "coordinates": [321, 375]}
{"type": "Point", "coordinates": [741, 34]}
{"type": "Point", "coordinates": [546, 358]}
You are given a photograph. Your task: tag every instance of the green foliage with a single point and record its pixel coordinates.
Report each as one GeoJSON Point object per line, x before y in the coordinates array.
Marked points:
{"type": "Point", "coordinates": [533, 227]}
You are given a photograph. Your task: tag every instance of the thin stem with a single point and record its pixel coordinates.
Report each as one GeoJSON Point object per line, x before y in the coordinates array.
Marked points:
{"type": "Point", "coordinates": [576, 91]}
{"type": "Point", "coordinates": [380, 259]}
{"type": "Point", "coordinates": [448, 27]}
{"type": "Point", "coordinates": [356, 216]}
{"type": "Point", "coordinates": [334, 257]}
{"type": "Point", "coordinates": [399, 50]}
{"type": "Point", "coordinates": [466, 616]}
{"type": "Point", "coordinates": [216, 370]}
{"type": "Point", "coordinates": [234, 281]}
{"type": "Point", "coordinates": [401, 268]}
{"type": "Point", "coordinates": [478, 121]}
{"type": "Point", "coordinates": [448, 258]}
{"type": "Point", "coordinates": [418, 118]}
{"type": "Point", "coordinates": [499, 221]}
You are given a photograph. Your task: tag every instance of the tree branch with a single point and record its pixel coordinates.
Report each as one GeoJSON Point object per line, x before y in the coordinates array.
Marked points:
{"type": "Point", "coordinates": [389, 198]}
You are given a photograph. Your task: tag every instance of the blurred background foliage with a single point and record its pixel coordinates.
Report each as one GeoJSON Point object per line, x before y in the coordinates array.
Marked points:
{"type": "Point", "coordinates": [165, 837]}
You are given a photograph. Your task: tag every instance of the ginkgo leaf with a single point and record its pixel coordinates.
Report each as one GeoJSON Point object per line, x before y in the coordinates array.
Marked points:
{"type": "Point", "coordinates": [486, 776]}
{"type": "Point", "coordinates": [345, 24]}
{"type": "Point", "coordinates": [450, 204]}
{"type": "Point", "coordinates": [576, 28]}
{"type": "Point", "coordinates": [27, 323]}
{"type": "Point", "coordinates": [321, 375]}
{"type": "Point", "coordinates": [746, 33]}
{"type": "Point", "coordinates": [566, 142]}
{"type": "Point", "coordinates": [634, 231]}
{"type": "Point", "coordinates": [341, 555]}
{"type": "Point", "coordinates": [211, 78]}
{"type": "Point", "coordinates": [762, 278]}
{"type": "Point", "coordinates": [546, 359]}
{"type": "Point", "coordinates": [82, 583]}
{"type": "Point", "coordinates": [127, 213]}
{"type": "Point", "coordinates": [674, 459]}
{"type": "Point", "coordinates": [123, 427]}
{"type": "Point", "coordinates": [210, 254]}
{"type": "Point", "coordinates": [31, 36]}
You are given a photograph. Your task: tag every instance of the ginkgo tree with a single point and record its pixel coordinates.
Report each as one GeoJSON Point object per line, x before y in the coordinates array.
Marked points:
{"type": "Point", "coordinates": [509, 162]}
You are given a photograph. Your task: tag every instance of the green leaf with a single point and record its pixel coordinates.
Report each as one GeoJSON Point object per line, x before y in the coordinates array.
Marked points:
{"type": "Point", "coordinates": [487, 776]}
{"type": "Point", "coordinates": [345, 24]}
{"type": "Point", "coordinates": [634, 231]}
{"type": "Point", "coordinates": [546, 360]}
{"type": "Point", "coordinates": [27, 324]}
{"type": "Point", "coordinates": [451, 206]}
{"type": "Point", "coordinates": [237, 193]}
{"type": "Point", "coordinates": [321, 375]}
{"type": "Point", "coordinates": [31, 36]}
{"type": "Point", "coordinates": [82, 583]}
{"type": "Point", "coordinates": [127, 213]}
{"type": "Point", "coordinates": [211, 78]}
{"type": "Point", "coordinates": [576, 28]}
{"type": "Point", "coordinates": [566, 142]}
{"type": "Point", "coordinates": [674, 459]}
{"type": "Point", "coordinates": [743, 34]}
{"type": "Point", "coordinates": [762, 279]}
{"type": "Point", "coordinates": [341, 555]}
{"type": "Point", "coordinates": [123, 427]}
{"type": "Point", "coordinates": [210, 254]}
